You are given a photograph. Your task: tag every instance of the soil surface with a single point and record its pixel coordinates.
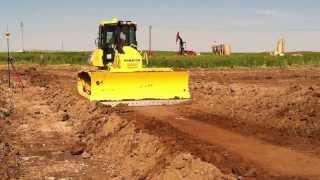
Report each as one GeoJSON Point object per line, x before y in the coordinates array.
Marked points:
{"type": "Point", "coordinates": [240, 124]}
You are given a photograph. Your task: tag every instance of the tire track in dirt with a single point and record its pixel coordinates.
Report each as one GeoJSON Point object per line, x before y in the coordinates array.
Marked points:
{"type": "Point", "coordinates": [271, 135]}
{"type": "Point", "coordinates": [276, 160]}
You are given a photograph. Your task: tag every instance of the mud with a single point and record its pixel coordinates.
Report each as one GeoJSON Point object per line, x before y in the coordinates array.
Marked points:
{"type": "Point", "coordinates": [241, 124]}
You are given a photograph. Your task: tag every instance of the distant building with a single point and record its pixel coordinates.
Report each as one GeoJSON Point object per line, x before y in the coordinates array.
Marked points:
{"type": "Point", "coordinates": [280, 49]}
{"type": "Point", "coordinates": [221, 49]}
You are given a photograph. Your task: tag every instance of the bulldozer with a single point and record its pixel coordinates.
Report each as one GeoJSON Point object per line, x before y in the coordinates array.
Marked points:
{"type": "Point", "coordinates": [119, 76]}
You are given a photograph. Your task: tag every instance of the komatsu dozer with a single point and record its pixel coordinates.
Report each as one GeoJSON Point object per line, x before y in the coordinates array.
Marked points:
{"type": "Point", "coordinates": [119, 77]}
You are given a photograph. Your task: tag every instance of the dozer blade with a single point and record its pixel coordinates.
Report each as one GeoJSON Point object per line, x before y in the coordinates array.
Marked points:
{"type": "Point", "coordinates": [150, 88]}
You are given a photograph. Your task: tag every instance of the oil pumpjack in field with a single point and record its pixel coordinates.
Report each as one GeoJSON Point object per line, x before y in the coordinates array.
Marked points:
{"type": "Point", "coordinates": [119, 76]}
{"type": "Point", "coordinates": [182, 47]}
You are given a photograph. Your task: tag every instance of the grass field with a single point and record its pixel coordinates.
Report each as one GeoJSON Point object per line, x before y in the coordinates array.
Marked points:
{"type": "Point", "coordinates": [207, 60]}
{"type": "Point", "coordinates": [47, 57]}
{"type": "Point", "coordinates": [170, 59]}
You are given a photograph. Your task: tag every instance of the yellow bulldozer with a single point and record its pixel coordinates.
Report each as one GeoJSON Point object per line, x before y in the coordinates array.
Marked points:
{"type": "Point", "coordinates": [119, 76]}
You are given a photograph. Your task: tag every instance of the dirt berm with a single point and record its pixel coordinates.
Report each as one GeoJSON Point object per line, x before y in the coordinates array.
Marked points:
{"type": "Point", "coordinates": [128, 152]}
{"type": "Point", "coordinates": [8, 155]}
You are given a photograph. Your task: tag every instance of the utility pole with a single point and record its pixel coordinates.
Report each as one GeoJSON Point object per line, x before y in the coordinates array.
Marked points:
{"type": "Point", "coordinates": [7, 34]}
{"type": "Point", "coordinates": [22, 36]}
{"type": "Point", "coordinates": [150, 40]}
{"type": "Point", "coordinates": [62, 46]}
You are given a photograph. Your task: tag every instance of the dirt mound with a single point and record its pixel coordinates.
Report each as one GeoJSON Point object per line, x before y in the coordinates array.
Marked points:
{"type": "Point", "coordinates": [293, 109]}
{"type": "Point", "coordinates": [9, 162]}
{"type": "Point", "coordinates": [186, 166]}
{"type": "Point", "coordinates": [128, 152]}
{"type": "Point", "coordinates": [6, 103]}
{"type": "Point", "coordinates": [8, 156]}
{"type": "Point", "coordinates": [299, 109]}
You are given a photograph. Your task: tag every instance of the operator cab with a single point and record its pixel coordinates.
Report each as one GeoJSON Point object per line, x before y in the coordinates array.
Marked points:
{"type": "Point", "coordinates": [113, 36]}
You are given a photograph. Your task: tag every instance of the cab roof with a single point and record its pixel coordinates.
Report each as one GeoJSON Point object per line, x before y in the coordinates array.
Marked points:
{"type": "Point", "coordinates": [116, 21]}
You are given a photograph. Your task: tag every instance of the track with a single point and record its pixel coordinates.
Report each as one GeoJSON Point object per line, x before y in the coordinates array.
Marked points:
{"type": "Point", "coordinates": [276, 160]}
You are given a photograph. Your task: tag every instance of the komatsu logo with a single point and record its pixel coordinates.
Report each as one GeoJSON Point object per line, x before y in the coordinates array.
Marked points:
{"type": "Point", "coordinates": [132, 60]}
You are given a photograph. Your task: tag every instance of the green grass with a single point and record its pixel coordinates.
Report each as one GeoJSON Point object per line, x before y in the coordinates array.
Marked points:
{"type": "Point", "coordinates": [47, 57]}
{"type": "Point", "coordinates": [170, 59]}
{"type": "Point", "coordinates": [207, 60]}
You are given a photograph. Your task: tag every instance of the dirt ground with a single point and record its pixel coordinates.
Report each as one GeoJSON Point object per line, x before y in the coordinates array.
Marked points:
{"type": "Point", "coordinates": [240, 124]}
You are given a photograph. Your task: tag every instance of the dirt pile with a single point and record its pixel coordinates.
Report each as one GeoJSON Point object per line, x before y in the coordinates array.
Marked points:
{"type": "Point", "coordinates": [128, 152]}
{"type": "Point", "coordinates": [8, 155]}
{"type": "Point", "coordinates": [291, 107]}
{"type": "Point", "coordinates": [9, 160]}
{"type": "Point", "coordinates": [6, 103]}
{"type": "Point", "coordinates": [186, 166]}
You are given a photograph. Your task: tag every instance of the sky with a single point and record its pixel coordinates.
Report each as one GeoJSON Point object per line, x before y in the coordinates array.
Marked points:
{"type": "Point", "coordinates": [247, 25]}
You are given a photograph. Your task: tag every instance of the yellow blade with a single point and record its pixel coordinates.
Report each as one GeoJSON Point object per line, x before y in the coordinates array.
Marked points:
{"type": "Point", "coordinates": [120, 86]}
